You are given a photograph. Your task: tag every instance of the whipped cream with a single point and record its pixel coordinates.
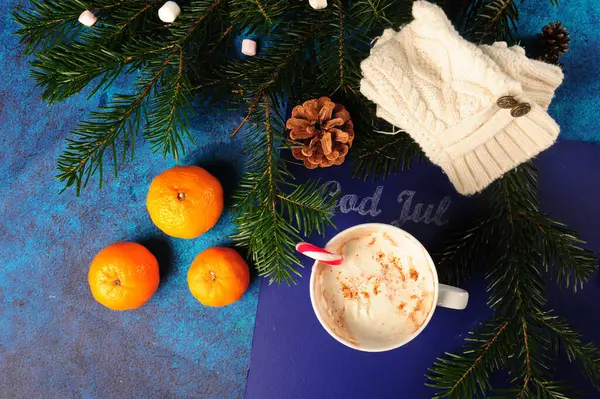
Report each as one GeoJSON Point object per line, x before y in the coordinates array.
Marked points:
{"type": "Point", "coordinates": [382, 293]}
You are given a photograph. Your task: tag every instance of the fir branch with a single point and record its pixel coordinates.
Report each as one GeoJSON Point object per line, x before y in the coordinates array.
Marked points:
{"type": "Point", "coordinates": [562, 336]}
{"type": "Point", "coordinates": [533, 388]}
{"type": "Point", "coordinates": [43, 19]}
{"type": "Point", "coordinates": [268, 220]}
{"type": "Point", "coordinates": [199, 14]}
{"type": "Point", "coordinates": [84, 154]}
{"type": "Point", "coordinates": [464, 250]}
{"type": "Point", "coordinates": [515, 281]}
{"type": "Point", "coordinates": [167, 121]}
{"type": "Point", "coordinates": [497, 18]}
{"type": "Point", "coordinates": [531, 369]}
{"type": "Point", "coordinates": [560, 247]}
{"type": "Point", "coordinates": [381, 155]}
{"type": "Point", "coordinates": [465, 375]}
{"type": "Point", "coordinates": [306, 205]}
{"type": "Point", "coordinates": [550, 390]}
{"type": "Point", "coordinates": [272, 73]}
{"type": "Point", "coordinates": [521, 244]}
{"type": "Point", "coordinates": [337, 6]}
{"type": "Point", "coordinates": [261, 9]}
{"type": "Point", "coordinates": [163, 97]}
{"type": "Point", "coordinates": [258, 16]}
{"type": "Point", "coordinates": [66, 69]}
{"type": "Point", "coordinates": [370, 12]}
{"type": "Point", "coordinates": [277, 228]}
{"type": "Point", "coordinates": [490, 19]}
{"type": "Point", "coordinates": [253, 105]}
{"type": "Point", "coordinates": [340, 44]}
{"type": "Point", "coordinates": [381, 13]}
{"type": "Point", "coordinates": [526, 354]}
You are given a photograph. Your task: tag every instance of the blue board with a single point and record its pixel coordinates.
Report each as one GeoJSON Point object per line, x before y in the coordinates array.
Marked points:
{"type": "Point", "coordinates": [293, 357]}
{"type": "Point", "coordinates": [55, 340]}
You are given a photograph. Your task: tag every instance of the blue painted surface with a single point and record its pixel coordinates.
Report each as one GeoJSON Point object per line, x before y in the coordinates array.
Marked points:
{"type": "Point", "coordinates": [55, 340]}
{"type": "Point", "coordinates": [293, 357]}
{"type": "Point", "coordinates": [575, 107]}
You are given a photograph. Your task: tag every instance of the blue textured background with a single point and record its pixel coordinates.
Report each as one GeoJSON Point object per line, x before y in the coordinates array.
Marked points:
{"type": "Point", "coordinates": [55, 341]}
{"type": "Point", "coordinates": [293, 357]}
{"type": "Point", "coordinates": [576, 106]}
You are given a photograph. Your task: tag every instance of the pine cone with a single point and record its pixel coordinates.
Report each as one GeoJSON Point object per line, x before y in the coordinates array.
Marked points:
{"type": "Point", "coordinates": [555, 41]}
{"type": "Point", "coordinates": [325, 131]}
{"type": "Point", "coordinates": [551, 58]}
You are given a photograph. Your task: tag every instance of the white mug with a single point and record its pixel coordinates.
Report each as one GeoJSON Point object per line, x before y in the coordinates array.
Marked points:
{"type": "Point", "coordinates": [443, 295]}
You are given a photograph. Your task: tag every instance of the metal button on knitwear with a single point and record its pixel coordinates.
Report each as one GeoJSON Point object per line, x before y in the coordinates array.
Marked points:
{"type": "Point", "coordinates": [507, 102]}
{"type": "Point", "coordinates": [520, 110]}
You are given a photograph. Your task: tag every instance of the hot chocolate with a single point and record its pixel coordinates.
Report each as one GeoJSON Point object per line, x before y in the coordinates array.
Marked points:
{"type": "Point", "coordinates": [382, 293]}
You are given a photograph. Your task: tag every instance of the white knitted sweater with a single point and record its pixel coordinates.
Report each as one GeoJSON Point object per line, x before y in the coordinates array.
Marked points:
{"type": "Point", "coordinates": [443, 91]}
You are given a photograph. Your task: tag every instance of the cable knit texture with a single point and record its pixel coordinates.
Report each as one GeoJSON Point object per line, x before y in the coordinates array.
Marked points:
{"type": "Point", "coordinates": [538, 79]}
{"type": "Point", "coordinates": [442, 90]}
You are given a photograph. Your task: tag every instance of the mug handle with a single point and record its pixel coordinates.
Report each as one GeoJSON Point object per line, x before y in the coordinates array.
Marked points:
{"type": "Point", "coordinates": [452, 297]}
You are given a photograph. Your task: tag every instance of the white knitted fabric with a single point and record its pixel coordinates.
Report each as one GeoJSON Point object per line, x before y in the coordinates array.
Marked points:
{"type": "Point", "coordinates": [538, 79]}
{"type": "Point", "coordinates": [442, 90]}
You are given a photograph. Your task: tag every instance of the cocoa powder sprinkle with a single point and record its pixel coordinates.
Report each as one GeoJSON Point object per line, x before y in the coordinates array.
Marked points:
{"type": "Point", "coordinates": [376, 288]}
{"type": "Point", "coordinates": [414, 274]}
{"type": "Point", "coordinates": [349, 292]}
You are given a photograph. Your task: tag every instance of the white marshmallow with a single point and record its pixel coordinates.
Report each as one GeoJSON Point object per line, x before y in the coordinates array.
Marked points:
{"type": "Point", "coordinates": [318, 4]}
{"type": "Point", "coordinates": [87, 18]}
{"type": "Point", "coordinates": [249, 47]}
{"type": "Point", "coordinates": [169, 12]}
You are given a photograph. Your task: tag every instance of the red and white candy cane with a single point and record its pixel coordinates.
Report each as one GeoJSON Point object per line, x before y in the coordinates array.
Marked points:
{"type": "Point", "coordinates": [317, 253]}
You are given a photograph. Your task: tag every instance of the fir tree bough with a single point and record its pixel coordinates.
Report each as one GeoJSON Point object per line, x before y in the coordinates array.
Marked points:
{"type": "Point", "coordinates": [306, 54]}
{"type": "Point", "coordinates": [517, 243]}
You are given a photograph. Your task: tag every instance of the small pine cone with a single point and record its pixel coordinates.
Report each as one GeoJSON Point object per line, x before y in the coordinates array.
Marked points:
{"type": "Point", "coordinates": [551, 58]}
{"type": "Point", "coordinates": [325, 131]}
{"type": "Point", "coordinates": [556, 39]}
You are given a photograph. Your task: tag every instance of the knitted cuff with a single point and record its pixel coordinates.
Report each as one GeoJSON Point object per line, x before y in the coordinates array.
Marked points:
{"type": "Point", "coordinates": [492, 149]}
{"type": "Point", "coordinates": [444, 92]}
{"type": "Point", "coordinates": [538, 79]}
{"type": "Point", "coordinates": [472, 163]}
{"type": "Point", "coordinates": [477, 150]}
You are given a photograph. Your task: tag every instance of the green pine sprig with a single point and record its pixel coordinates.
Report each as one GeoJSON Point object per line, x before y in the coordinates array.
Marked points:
{"type": "Point", "coordinates": [518, 245]}
{"type": "Point", "coordinates": [271, 211]}
{"type": "Point", "coordinates": [468, 374]}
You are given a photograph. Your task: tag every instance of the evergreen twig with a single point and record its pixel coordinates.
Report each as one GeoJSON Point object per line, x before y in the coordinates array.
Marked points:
{"type": "Point", "coordinates": [270, 210]}
{"type": "Point", "coordinates": [518, 243]}
{"type": "Point", "coordinates": [464, 375]}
